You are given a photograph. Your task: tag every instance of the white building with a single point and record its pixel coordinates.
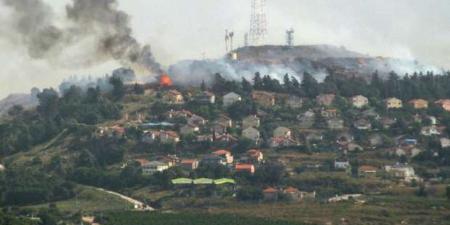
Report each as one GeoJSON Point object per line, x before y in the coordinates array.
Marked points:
{"type": "Point", "coordinates": [403, 172]}
{"type": "Point", "coordinates": [359, 101]}
{"type": "Point", "coordinates": [252, 134]}
{"type": "Point", "coordinates": [445, 142]}
{"type": "Point", "coordinates": [231, 98]}
{"type": "Point", "coordinates": [430, 131]}
{"type": "Point", "coordinates": [151, 168]}
{"type": "Point", "coordinates": [282, 132]}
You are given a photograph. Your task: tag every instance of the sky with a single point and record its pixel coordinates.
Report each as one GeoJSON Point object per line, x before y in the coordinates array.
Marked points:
{"type": "Point", "coordinates": [194, 29]}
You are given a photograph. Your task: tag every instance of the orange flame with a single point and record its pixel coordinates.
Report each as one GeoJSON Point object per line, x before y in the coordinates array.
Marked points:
{"type": "Point", "coordinates": [165, 81]}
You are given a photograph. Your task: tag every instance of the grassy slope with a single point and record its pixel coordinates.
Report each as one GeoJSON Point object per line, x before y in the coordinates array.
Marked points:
{"type": "Point", "coordinates": [90, 200]}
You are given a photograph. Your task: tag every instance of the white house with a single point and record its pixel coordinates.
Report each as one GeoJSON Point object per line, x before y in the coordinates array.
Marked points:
{"type": "Point", "coordinates": [359, 101]}
{"type": "Point", "coordinates": [153, 167]}
{"type": "Point", "coordinates": [282, 132]}
{"type": "Point", "coordinates": [189, 129]}
{"type": "Point", "coordinates": [430, 131]}
{"type": "Point", "coordinates": [403, 172]}
{"type": "Point", "coordinates": [231, 98]}
{"type": "Point", "coordinates": [251, 121]}
{"type": "Point", "coordinates": [252, 134]}
{"type": "Point", "coordinates": [445, 142]}
{"type": "Point", "coordinates": [341, 165]}
{"type": "Point", "coordinates": [197, 120]}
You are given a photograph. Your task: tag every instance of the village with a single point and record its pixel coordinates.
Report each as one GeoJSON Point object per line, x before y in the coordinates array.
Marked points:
{"type": "Point", "coordinates": [256, 140]}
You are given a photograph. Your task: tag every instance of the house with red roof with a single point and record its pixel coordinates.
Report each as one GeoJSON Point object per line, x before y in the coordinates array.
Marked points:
{"type": "Point", "coordinates": [255, 155]}
{"type": "Point", "coordinates": [444, 103]}
{"type": "Point", "coordinates": [225, 154]}
{"type": "Point", "coordinates": [169, 137]}
{"type": "Point", "coordinates": [292, 194]}
{"type": "Point", "coordinates": [270, 194]}
{"type": "Point", "coordinates": [189, 164]}
{"type": "Point", "coordinates": [242, 167]}
{"type": "Point", "coordinates": [367, 171]}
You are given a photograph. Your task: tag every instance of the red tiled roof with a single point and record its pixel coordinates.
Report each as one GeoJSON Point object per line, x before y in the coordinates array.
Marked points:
{"type": "Point", "coordinates": [118, 129]}
{"type": "Point", "coordinates": [188, 161]}
{"type": "Point", "coordinates": [366, 168]}
{"type": "Point", "coordinates": [270, 190]}
{"type": "Point", "coordinates": [221, 152]}
{"type": "Point", "coordinates": [244, 166]}
{"type": "Point", "coordinates": [142, 161]}
{"type": "Point", "coordinates": [291, 190]}
{"type": "Point", "coordinates": [171, 133]}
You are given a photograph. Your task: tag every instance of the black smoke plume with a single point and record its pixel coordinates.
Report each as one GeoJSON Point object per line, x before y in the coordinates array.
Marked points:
{"type": "Point", "coordinates": [96, 20]}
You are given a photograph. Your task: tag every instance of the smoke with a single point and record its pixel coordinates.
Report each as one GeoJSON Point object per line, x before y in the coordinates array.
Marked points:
{"type": "Point", "coordinates": [96, 29]}
{"type": "Point", "coordinates": [193, 72]}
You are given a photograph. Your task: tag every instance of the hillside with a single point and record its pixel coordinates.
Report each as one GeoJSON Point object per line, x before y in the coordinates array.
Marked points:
{"type": "Point", "coordinates": [25, 100]}
{"type": "Point", "coordinates": [278, 151]}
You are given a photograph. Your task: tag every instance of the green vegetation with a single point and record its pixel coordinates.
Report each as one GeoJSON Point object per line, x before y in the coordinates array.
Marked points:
{"type": "Point", "coordinates": [28, 186]}
{"type": "Point", "coordinates": [9, 219]}
{"type": "Point", "coordinates": [185, 218]}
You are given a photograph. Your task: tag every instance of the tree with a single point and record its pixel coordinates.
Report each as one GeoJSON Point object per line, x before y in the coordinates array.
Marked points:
{"type": "Point", "coordinates": [246, 86]}
{"type": "Point", "coordinates": [257, 81]}
{"type": "Point", "coordinates": [448, 192]}
{"type": "Point", "coordinates": [15, 110]}
{"type": "Point", "coordinates": [118, 87]}
{"type": "Point", "coordinates": [287, 83]}
{"type": "Point", "coordinates": [92, 95]}
{"type": "Point", "coordinates": [310, 85]}
{"type": "Point", "coordinates": [249, 193]}
{"type": "Point", "coordinates": [422, 192]}
{"type": "Point", "coordinates": [270, 173]}
{"type": "Point", "coordinates": [138, 89]}
{"type": "Point", "coordinates": [203, 86]}
{"type": "Point", "coordinates": [48, 103]}
{"type": "Point", "coordinates": [243, 145]}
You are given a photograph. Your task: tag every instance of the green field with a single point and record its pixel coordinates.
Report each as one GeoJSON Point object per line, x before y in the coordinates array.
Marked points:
{"type": "Point", "coordinates": [136, 218]}
{"type": "Point", "coordinates": [377, 210]}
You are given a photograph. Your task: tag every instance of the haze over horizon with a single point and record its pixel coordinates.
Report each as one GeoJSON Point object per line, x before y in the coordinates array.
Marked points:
{"type": "Point", "coordinates": [193, 29]}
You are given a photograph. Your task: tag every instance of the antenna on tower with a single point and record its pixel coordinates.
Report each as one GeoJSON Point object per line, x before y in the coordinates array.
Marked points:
{"type": "Point", "coordinates": [246, 40]}
{"type": "Point", "coordinates": [231, 36]}
{"type": "Point", "coordinates": [227, 39]}
{"type": "Point", "coordinates": [290, 37]}
{"type": "Point", "coordinates": [258, 22]}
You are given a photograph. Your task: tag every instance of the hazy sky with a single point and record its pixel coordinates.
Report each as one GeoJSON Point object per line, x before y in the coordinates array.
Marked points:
{"type": "Point", "coordinates": [186, 29]}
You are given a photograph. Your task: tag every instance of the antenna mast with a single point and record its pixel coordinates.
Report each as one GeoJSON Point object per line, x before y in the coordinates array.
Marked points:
{"type": "Point", "coordinates": [290, 37]}
{"type": "Point", "coordinates": [227, 39]}
{"type": "Point", "coordinates": [258, 22]}
{"type": "Point", "coordinates": [231, 36]}
{"type": "Point", "coordinates": [246, 43]}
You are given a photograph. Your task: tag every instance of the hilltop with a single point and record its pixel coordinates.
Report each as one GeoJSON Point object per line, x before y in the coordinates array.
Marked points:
{"type": "Point", "coordinates": [318, 60]}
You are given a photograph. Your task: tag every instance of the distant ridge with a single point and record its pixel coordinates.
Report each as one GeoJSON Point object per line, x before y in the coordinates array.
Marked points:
{"type": "Point", "coordinates": [25, 100]}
